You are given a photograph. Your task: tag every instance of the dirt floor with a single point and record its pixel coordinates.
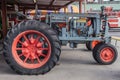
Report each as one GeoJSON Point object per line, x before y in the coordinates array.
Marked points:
{"type": "Point", "coordinates": [75, 64]}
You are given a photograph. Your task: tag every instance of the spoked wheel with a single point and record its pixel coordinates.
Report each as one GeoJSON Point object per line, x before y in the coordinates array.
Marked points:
{"type": "Point", "coordinates": [91, 44]}
{"type": "Point", "coordinates": [105, 53]}
{"type": "Point", "coordinates": [31, 48]}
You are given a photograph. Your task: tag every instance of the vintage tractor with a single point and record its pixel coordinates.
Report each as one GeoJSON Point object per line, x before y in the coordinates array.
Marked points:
{"type": "Point", "coordinates": [33, 47]}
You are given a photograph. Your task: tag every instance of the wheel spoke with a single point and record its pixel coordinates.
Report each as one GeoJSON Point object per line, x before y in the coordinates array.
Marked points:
{"type": "Point", "coordinates": [20, 42]}
{"type": "Point", "coordinates": [39, 44]}
{"type": "Point", "coordinates": [20, 55]}
{"type": "Point", "coordinates": [43, 55]}
{"type": "Point", "coordinates": [43, 48]}
{"type": "Point", "coordinates": [26, 58]}
{"type": "Point", "coordinates": [26, 38]}
{"type": "Point", "coordinates": [39, 52]}
{"type": "Point", "coordinates": [37, 39]}
{"type": "Point", "coordinates": [32, 40]}
{"type": "Point", "coordinates": [38, 60]}
{"type": "Point", "coordinates": [20, 48]}
{"type": "Point", "coordinates": [23, 43]}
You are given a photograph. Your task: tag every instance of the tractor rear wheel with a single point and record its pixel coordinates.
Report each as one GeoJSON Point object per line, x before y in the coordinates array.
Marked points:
{"type": "Point", "coordinates": [105, 53]}
{"type": "Point", "coordinates": [88, 45]}
{"type": "Point", "coordinates": [91, 44]}
{"type": "Point", "coordinates": [32, 48]}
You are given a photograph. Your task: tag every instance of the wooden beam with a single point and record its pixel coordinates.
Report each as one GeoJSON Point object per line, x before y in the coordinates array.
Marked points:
{"type": "Point", "coordinates": [42, 5]}
{"type": "Point", "coordinates": [51, 2]}
{"type": "Point", "coordinates": [13, 1]}
{"type": "Point", "coordinates": [4, 17]}
{"type": "Point", "coordinates": [32, 6]}
{"type": "Point", "coordinates": [34, 1]}
{"type": "Point", "coordinates": [69, 0]}
{"type": "Point", "coordinates": [42, 8]}
{"type": "Point", "coordinates": [68, 3]}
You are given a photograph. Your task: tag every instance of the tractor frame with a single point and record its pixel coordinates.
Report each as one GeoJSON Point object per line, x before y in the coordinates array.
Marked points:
{"type": "Point", "coordinates": [34, 47]}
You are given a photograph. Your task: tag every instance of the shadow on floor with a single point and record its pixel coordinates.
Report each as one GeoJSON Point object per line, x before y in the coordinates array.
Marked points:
{"type": "Point", "coordinates": [4, 68]}
{"type": "Point", "coordinates": [81, 49]}
{"type": "Point", "coordinates": [69, 61]}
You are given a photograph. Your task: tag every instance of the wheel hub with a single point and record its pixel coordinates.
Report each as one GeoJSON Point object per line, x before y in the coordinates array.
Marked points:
{"type": "Point", "coordinates": [107, 55]}
{"type": "Point", "coordinates": [32, 49]}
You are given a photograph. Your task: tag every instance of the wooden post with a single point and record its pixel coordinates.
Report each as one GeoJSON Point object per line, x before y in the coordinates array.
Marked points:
{"type": "Point", "coordinates": [56, 11]}
{"type": "Point", "coordinates": [80, 6]}
{"type": "Point", "coordinates": [65, 11]}
{"type": "Point", "coordinates": [24, 10]}
{"type": "Point", "coordinates": [4, 17]}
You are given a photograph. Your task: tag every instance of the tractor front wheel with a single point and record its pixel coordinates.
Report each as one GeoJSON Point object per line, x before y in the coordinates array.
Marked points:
{"type": "Point", "coordinates": [91, 44]}
{"type": "Point", "coordinates": [31, 48]}
{"type": "Point", "coordinates": [105, 53]}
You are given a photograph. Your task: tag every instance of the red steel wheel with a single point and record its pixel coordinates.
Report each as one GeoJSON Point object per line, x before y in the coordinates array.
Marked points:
{"type": "Point", "coordinates": [94, 43]}
{"type": "Point", "coordinates": [107, 54]}
{"type": "Point", "coordinates": [91, 44]}
{"type": "Point", "coordinates": [31, 52]}
{"type": "Point", "coordinates": [31, 48]}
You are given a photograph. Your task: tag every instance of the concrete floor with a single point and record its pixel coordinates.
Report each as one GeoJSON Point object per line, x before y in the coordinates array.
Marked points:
{"type": "Point", "coordinates": [77, 64]}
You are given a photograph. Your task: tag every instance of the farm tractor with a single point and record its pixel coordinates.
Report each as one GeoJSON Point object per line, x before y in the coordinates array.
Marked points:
{"type": "Point", "coordinates": [34, 46]}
